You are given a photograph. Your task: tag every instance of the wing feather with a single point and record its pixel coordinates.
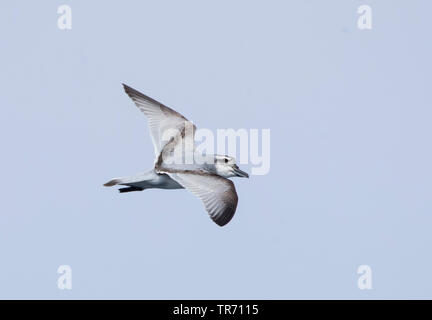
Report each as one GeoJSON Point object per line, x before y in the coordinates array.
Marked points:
{"type": "Point", "coordinates": [160, 119]}
{"type": "Point", "coordinates": [217, 193]}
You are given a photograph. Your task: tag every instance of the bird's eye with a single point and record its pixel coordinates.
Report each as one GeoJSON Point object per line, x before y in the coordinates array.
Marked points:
{"type": "Point", "coordinates": [226, 160]}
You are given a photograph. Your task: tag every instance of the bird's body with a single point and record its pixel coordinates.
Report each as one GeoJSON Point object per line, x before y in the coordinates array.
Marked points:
{"type": "Point", "coordinates": [177, 166]}
{"type": "Point", "coordinates": [147, 180]}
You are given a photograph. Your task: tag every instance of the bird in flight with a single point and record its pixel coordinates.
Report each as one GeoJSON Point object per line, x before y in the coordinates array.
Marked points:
{"type": "Point", "coordinates": [178, 166]}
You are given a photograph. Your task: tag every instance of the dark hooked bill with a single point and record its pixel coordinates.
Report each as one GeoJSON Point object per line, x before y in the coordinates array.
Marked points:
{"type": "Point", "coordinates": [240, 173]}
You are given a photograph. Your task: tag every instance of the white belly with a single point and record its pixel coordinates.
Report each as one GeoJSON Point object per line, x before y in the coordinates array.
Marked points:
{"type": "Point", "coordinates": [153, 180]}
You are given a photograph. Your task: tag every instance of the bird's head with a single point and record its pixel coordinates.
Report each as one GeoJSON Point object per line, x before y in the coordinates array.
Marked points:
{"type": "Point", "coordinates": [226, 167]}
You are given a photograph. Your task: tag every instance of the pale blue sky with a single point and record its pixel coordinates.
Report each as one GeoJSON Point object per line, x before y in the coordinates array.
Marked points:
{"type": "Point", "coordinates": [350, 119]}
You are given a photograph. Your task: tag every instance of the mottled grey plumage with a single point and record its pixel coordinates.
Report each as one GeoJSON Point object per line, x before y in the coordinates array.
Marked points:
{"type": "Point", "coordinates": [205, 176]}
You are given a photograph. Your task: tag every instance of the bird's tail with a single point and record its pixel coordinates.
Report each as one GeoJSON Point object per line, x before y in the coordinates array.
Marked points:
{"type": "Point", "coordinates": [113, 182]}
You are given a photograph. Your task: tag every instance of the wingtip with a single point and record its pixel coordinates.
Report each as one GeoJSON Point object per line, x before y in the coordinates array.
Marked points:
{"type": "Point", "coordinates": [125, 87]}
{"type": "Point", "coordinates": [131, 92]}
{"type": "Point", "coordinates": [225, 219]}
{"type": "Point", "coordinates": [222, 223]}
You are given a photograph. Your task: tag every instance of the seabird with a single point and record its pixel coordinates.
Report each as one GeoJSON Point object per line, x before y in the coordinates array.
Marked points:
{"type": "Point", "coordinates": [206, 176]}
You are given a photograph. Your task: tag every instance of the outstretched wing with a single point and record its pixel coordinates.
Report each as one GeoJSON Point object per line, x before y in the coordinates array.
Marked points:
{"type": "Point", "coordinates": [166, 125]}
{"type": "Point", "coordinates": [217, 193]}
